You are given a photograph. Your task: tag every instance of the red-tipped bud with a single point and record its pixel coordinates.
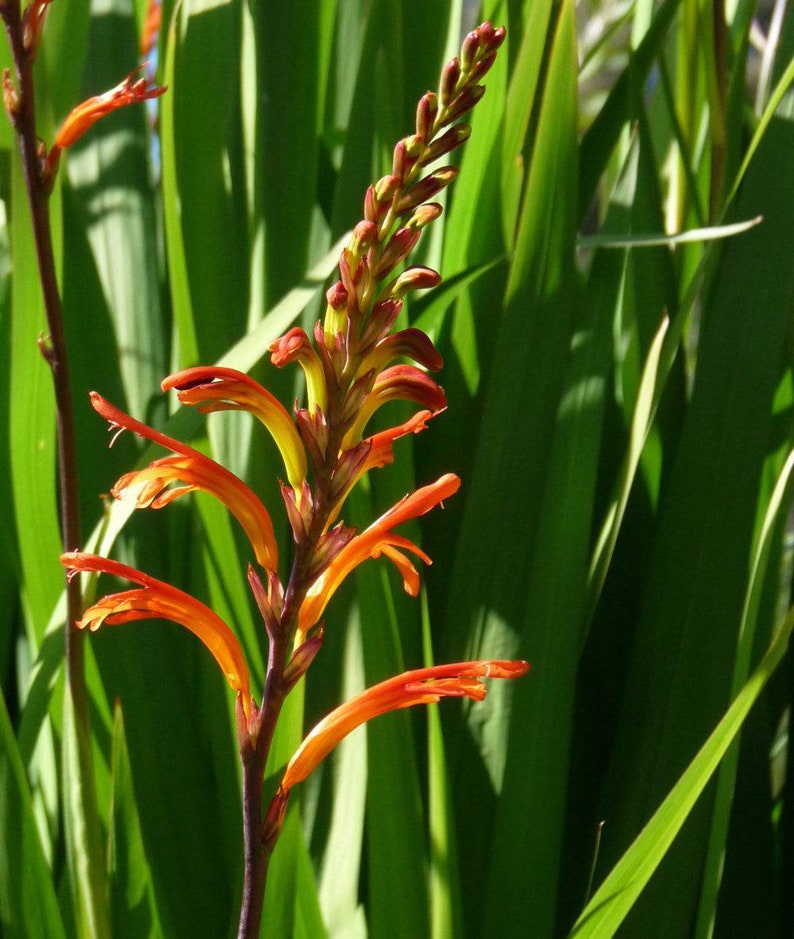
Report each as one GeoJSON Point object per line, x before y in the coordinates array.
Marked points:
{"type": "Point", "coordinates": [386, 187]}
{"type": "Point", "coordinates": [426, 114]}
{"type": "Point", "coordinates": [274, 818]}
{"type": "Point", "coordinates": [492, 38]}
{"type": "Point", "coordinates": [406, 154]}
{"type": "Point", "coordinates": [447, 142]}
{"type": "Point", "coordinates": [426, 188]}
{"type": "Point", "coordinates": [469, 50]}
{"type": "Point", "coordinates": [414, 278]}
{"type": "Point", "coordinates": [264, 602]}
{"type": "Point", "coordinates": [33, 20]}
{"type": "Point", "coordinates": [449, 81]}
{"type": "Point", "coordinates": [381, 319]}
{"type": "Point", "coordinates": [400, 245]}
{"type": "Point", "coordinates": [292, 345]}
{"type": "Point", "coordinates": [356, 396]}
{"type": "Point", "coordinates": [302, 658]}
{"type": "Point", "coordinates": [424, 215]}
{"type": "Point", "coordinates": [464, 102]}
{"type": "Point", "coordinates": [336, 295]}
{"type": "Point", "coordinates": [365, 234]}
{"type": "Point", "coordinates": [372, 209]}
{"type": "Point", "coordinates": [482, 68]}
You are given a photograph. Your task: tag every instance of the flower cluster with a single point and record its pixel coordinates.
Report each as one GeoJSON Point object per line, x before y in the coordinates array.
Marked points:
{"type": "Point", "coordinates": [353, 364]}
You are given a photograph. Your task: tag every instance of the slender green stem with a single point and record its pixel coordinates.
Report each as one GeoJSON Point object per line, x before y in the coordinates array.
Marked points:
{"type": "Point", "coordinates": [23, 116]}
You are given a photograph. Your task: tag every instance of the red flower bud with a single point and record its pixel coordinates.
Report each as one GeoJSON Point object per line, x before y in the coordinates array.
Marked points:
{"type": "Point", "coordinates": [449, 81]}
{"type": "Point", "coordinates": [426, 114]}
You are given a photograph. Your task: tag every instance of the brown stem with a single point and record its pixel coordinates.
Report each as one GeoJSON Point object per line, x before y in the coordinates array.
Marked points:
{"type": "Point", "coordinates": [257, 854]}
{"type": "Point", "coordinates": [23, 117]}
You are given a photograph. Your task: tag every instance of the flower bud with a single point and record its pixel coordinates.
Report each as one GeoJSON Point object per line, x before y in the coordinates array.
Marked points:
{"type": "Point", "coordinates": [400, 245]}
{"type": "Point", "coordinates": [426, 114]}
{"type": "Point", "coordinates": [381, 319]}
{"type": "Point", "coordinates": [413, 278]}
{"type": "Point", "coordinates": [424, 215]}
{"type": "Point", "coordinates": [314, 432]}
{"type": "Point", "coordinates": [386, 187]}
{"type": "Point", "coordinates": [347, 468]}
{"type": "Point", "coordinates": [448, 141]}
{"type": "Point", "coordinates": [364, 235]}
{"type": "Point", "coordinates": [464, 102]}
{"type": "Point", "coordinates": [300, 516]}
{"type": "Point", "coordinates": [449, 81]}
{"type": "Point", "coordinates": [482, 67]}
{"type": "Point", "coordinates": [302, 658]}
{"type": "Point", "coordinates": [469, 50]}
{"type": "Point", "coordinates": [426, 188]}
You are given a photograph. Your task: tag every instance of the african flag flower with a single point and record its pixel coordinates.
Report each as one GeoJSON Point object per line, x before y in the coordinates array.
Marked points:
{"type": "Point", "coordinates": [420, 686]}
{"type": "Point", "coordinates": [153, 599]}
{"type": "Point", "coordinates": [356, 361]}
{"type": "Point", "coordinates": [131, 90]}
{"type": "Point", "coordinates": [191, 470]}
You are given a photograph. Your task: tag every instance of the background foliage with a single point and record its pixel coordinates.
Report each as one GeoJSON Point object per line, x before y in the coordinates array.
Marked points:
{"type": "Point", "coordinates": [621, 418]}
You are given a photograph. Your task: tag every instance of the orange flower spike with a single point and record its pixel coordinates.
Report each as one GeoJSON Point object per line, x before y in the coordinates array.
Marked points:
{"type": "Point", "coordinates": [194, 471]}
{"type": "Point", "coordinates": [226, 389]}
{"type": "Point", "coordinates": [421, 686]}
{"type": "Point", "coordinates": [85, 115]}
{"type": "Point", "coordinates": [158, 600]}
{"type": "Point", "coordinates": [375, 540]}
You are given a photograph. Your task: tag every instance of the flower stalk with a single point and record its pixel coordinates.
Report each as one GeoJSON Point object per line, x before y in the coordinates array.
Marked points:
{"type": "Point", "coordinates": [354, 363]}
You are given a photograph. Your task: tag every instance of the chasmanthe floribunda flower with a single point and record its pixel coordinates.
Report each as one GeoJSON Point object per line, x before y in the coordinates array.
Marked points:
{"type": "Point", "coordinates": [354, 362]}
{"type": "Point", "coordinates": [131, 90]}
{"type": "Point", "coordinates": [153, 599]}
{"type": "Point", "coordinates": [378, 539]}
{"type": "Point", "coordinates": [192, 470]}
{"type": "Point", "coordinates": [420, 686]}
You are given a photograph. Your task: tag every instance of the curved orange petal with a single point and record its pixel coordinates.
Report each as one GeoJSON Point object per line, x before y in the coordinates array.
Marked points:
{"type": "Point", "coordinates": [196, 471]}
{"type": "Point", "coordinates": [420, 686]}
{"type": "Point", "coordinates": [225, 389]}
{"type": "Point", "coordinates": [89, 112]}
{"type": "Point", "coordinates": [370, 543]}
{"type": "Point", "coordinates": [158, 600]}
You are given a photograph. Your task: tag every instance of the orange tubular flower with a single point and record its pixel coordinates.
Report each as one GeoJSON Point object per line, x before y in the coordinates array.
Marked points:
{"type": "Point", "coordinates": [194, 471]}
{"type": "Point", "coordinates": [376, 540]}
{"type": "Point", "coordinates": [157, 600]}
{"type": "Point", "coordinates": [226, 389]}
{"type": "Point", "coordinates": [85, 115]}
{"type": "Point", "coordinates": [421, 686]}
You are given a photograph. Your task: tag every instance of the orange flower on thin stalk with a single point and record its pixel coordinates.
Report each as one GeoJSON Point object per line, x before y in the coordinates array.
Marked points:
{"type": "Point", "coordinates": [131, 90]}
{"type": "Point", "coordinates": [193, 471]}
{"type": "Point", "coordinates": [420, 686]}
{"type": "Point", "coordinates": [85, 115]}
{"type": "Point", "coordinates": [157, 600]}
{"type": "Point", "coordinates": [378, 539]}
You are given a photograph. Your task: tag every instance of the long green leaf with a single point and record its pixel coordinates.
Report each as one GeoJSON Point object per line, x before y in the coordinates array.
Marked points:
{"type": "Point", "coordinates": [619, 891]}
